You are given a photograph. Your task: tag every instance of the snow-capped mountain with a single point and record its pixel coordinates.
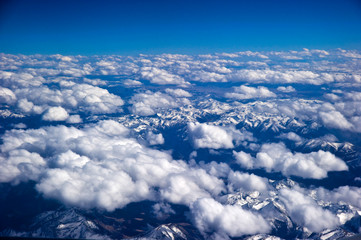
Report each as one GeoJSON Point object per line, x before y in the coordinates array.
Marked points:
{"type": "Point", "coordinates": [62, 223]}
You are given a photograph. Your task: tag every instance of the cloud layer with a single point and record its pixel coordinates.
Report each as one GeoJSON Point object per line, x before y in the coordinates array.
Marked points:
{"type": "Point", "coordinates": [100, 166]}
{"type": "Point", "coordinates": [276, 157]}
{"type": "Point", "coordinates": [104, 132]}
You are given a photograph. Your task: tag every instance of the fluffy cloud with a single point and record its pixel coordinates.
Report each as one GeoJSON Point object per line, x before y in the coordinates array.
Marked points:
{"type": "Point", "coordinates": [203, 76]}
{"type": "Point", "coordinates": [100, 166]}
{"type": "Point", "coordinates": [244, 159]}
{"type": "Point", "coordinates": [74, 119]}
{"type": "Point", "coordinates": [20, 165]}
{"type": "Point", "coordinates": [149, 103]}
{"type": "Point", "coordinates": [292, 136]}
{"type": "Point", "coordinates": [162, 210]}
{"type": "Point", "coordinates": [155, 139]}
{"type": "Point", "coordinates": [273, 76]}
{"type": "Point", "coordinates": [344, 194]}
{"type": "Point", "coordinates": [210, 136]}
{"type": "Point", "coordinates": [210, 216]}
{"type": "Point", "coordinates": [70, 97]}
{"type": "Point", "coordinates": [7, 96]}
{"type": "Point", "coordinates": [178, 92]}
{"type": "Point", "coordinates": [276, 157]}
{"type": "Point", "coordinates": [55, 114]}
{"type": "Point", "coordinates": [246, 182]}
{"type": "Point", "coordinates": [287, 89]}
{"type": "Point", "coordinates": [244, 92]}
{"type": "Point", "coordinates": [305, 211]}
{"type": "Point", "coordinates": [335, 119]}
{"type": "Point", "coordinates": [161, 76]}
{"type": "Point", "coordinates": [19, 80]}
{"type": "Point", "coordinates": [130, 82]}
{"type": "Point", "coordinates": [185, 188]}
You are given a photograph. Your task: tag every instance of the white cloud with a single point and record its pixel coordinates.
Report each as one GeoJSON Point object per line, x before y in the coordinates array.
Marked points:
{"type": "Point", "coordinates": [182, 189]}
{"type": "Point", "coordinates": [305, 211]}
{"type": "Point", "coordinates": [287, 89]}
{"type": "Point", "coordinates": [331, 97]}
{"type": "Point", "coordinates": [244, 159]}
{"type": "Point", "coordinates": [161, 76]}
{"type": "Point", "coordinates": [210, 216]}
{"type": "Point", "coordinates": [209, 136]}
{"type": "Point", "coordinates": [7, 96]}
{"type": "Point", "coordinates": [130, 82]}
{"type": "Point", "coordinates": [178, 92]}
{"type": "Point", "coordinates": [20, 165]}
{"type": "Point", "coordinates": [74, 119]}
{"type": "Point", "coordinates": [344, 194]}
{"type": "Point", "coordinates": [55, 114]}
{"type": "Point", "coordinates": [204, 76]}
{"type": "Point", "coordinates": [246, 182]}
{"type": "Point", "coordinates": [16, 80]}
{"type": "Point", "coordinates": [162, 210]}
{"type": "Point", "coordinates": [287, 76]}
{"type": "Point", "coordinates": [92, 99]}
{"type": "Point", "coordinates": [244, 92]}
{"type": "Point", "coordinates": [276, 157]}
{"type": "Point", "coordinates": [335, 119]}
{"type": "Point", "coordinates": [100, 166]}
{"type": "Point", "coordinates": [73, 97]}
{"type": "Point", "coordinates": [155, 139]}
{"type": "Point", "coordinates": [149, 103]}
{"type": "Point", "coordinates": [292, 136]}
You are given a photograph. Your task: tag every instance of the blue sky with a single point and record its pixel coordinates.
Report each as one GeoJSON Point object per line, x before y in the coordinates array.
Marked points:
{"type": "Point", "coordinates": [177, 26]}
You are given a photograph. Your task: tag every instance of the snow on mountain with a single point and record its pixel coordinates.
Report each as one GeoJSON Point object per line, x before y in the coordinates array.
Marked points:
{"type": "Point", "coordinates": [171, 231]}
{"type": "Point", "coordinates": [272, 206]}
{"type": "Point", "coordinates": [62, 223]}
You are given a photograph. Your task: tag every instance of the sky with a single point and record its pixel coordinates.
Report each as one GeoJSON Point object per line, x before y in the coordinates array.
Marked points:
{"type": "Point", "coordinates": [177, 26]}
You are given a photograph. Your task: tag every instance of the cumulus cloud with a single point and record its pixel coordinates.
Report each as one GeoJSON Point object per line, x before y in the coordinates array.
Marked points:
{"type": "Point", "coordinates": [244, 159]}
{"type": "Point", "coordinates": [287, 89]}
{"type": "Point", "coordinates": [155, 139]}
{"type": "Point", "coordinates": [245, 92]}
{"type": "Point", "coordinates": [210, 216]}
{"type": "Point", "coordinates": [74, 119]}
{"type": "Point", "coordinates": [276, 157]}
{"type": "Point", "coordinates": [204, 76]}
{"type": "Point", "coordinates": [292, 136]}
{"type": "Point", "coordinates": [185, 188]}
{"type": "Point", "coordinates": [162, 210]}
{"type": "Point", "coordinates": [178, 92]}
{"type": "Point", "coordinates": [130, 82]}
{"type": "Point", "coordinates": [274, 76]}
{"type": "Point", "coordinates": [71, 97]}
{"type": "Point", "coordinates": [344, 194]}
{"type": "Point", "coordinates": [335, 119]}
{"type": "Point", "coordinates": [13, 80]}
{"type": "Point", "coordinates": [55, 114]}
{"type": "Point", "coordinates": [149, 103]}
{"type": "Point", "coordinates": [305, 211]}
{"type": "Point", "coordinates": [100, 166]}
{"type": "Point", "coordinates": [7, 96]}
{"type": "Point", "coordinates": [20, 165]}
{"type": "Point", "coordinates": [161, 76]}
{"type": "Point", "coordinates": [209, 136]}
{"type": "Point", "coordinates": [246, 182]}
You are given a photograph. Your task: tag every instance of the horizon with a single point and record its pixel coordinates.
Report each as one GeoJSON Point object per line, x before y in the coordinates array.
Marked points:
{"type": "Point", "coordinates": [143, 27]}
